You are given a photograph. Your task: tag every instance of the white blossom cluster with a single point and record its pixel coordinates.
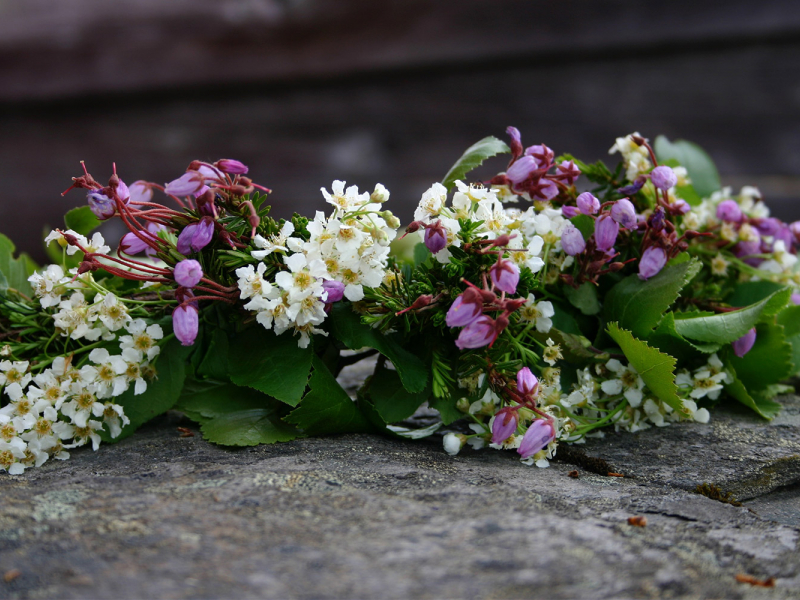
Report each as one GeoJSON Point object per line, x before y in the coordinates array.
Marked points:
{"type": "Point", "coordinates": [537, 230]}
{"type": "Point", "coordinates": [65, 406]}
{"type": "Point", "coordinates": [351, 246]}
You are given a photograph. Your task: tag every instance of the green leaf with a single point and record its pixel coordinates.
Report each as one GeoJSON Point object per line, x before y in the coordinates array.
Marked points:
{"type": "Point", "coordinates": [639, 305]}
{"type": "Point", "coordinates": [760, 403]}
{"type": "Point", "coordinates": [789, 318]}
{"type": "Point", "coordinates": [346, 326]}
{"type": "Point", "coordinates": [390, 398]}
{"type": "Point", "coordinates": [248, 428]}
{"type": "Point", "coordinates": [769, 360]}
{"type": "Point", "coordinates": [688, 193]}
{"type": "Point", "coordinates": [584, 298]}
{"type": "Point", "coordinates": [162, 393]}
{"type": "Point", "coordinates": [421, 254]}
{"type": "Point", "coordinates": [447, 406]}
{"type": "Point", "coordinates": [81, 220]}
{"type": "Point", "coordinates": [657, 369]}
{"type": "Point", "coordinates": [210, 399]}
{"type": "Point", "coordinates": [728, 327]}
{"type": "Point", "coordinates": [272, 364]}
{"type": "Point", "coordinates": [750, 292]}
{"type": "Point", "coordinates": [701, 168]}
{"type": "Point", "coordinates": [667, 339]}
{"type": "Point", "coordinates": [214, 364]}
{"type": "Point", "coordinates": [13, 271]}
{"type": "Point", "coordinates": [474, 157]}
{"type": "Point", "coordinates": [327, 408]}
{"type": "Point", "coordinates": [584, 224]}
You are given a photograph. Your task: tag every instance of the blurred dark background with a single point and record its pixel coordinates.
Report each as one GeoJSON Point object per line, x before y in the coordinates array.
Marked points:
{"type": "Point", "coordinates": [390, 91]}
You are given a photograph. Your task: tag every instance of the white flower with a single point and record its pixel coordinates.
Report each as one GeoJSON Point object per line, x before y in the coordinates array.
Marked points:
{"type": "Point", "coordinates": [11, 453]}
{"type": "Point", "coordinates": [47, 285]}
{"type": "Point", "coordinates": [14, 372]}
{"type": "Point", "coordinates": [83, 435]}
{"type": "Point", "coordinates": [114, 417]}
{"type": "Point", "coordinates": [537, 312]}
{"type": "Point", "coordinates": [143, 338]}
{"type": "Point", "coordinates": [82, 406]}
{"type": "Point", "coordinates": [109, 373]}
{"type": "Point", "coordinates": [344, 200]}
{"type": "Point", "coordinates": [74, 318]}
{"type": "Point", "coordinates": [275, 243]}
{"type": "Point", "coordinates": [701, 415]}
{"type": "Point", "coordinates": [251, 281]}
{"type": "Point", "coordinates": [629, 383]}
{"type": "Point", "coordinates": [111, 312]}
{"type": "Point", "coordinates": [431, 203]}
{"type": "Point", "coordinates": [97, 244]}
{"type": "Point", "coordinates": [453, 443]}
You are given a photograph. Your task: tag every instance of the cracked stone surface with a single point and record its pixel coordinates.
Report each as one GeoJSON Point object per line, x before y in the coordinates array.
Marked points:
{"type": "Point", "coordinates": [363, 516]}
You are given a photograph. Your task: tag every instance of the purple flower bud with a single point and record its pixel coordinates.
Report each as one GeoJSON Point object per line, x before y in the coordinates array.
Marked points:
{"type": "Point", "coordinates": [231, 166]}
{"type": "Point", "coordinates": [481, 332]}
{"type": "Point", "coordinates": [504, 425]}
{"type": "Point", "coordinates": [435, 237]}
{"type": "Point", "coordinates": [630, 190]}
{"type": "Point", "coordinates": [101, 205]}
{"type": "Point", "coordinates": [651, 263]}
{"type": "Point", "coordinates": [657, 219]}
{"type": "Point", "coordinates": [123, 192]}
{"type": "Point", "coordinates": [795, 298]}
{"type": "Point", "coordinates": [185, 324]}
{"type": "Point", "coordinates": [140, 192]}
{"type": "Point", "coordinates": [516, 141]}
{"type": "Point", "coordinates": [521, 170]}
{"type": "Point", "coordinates": [465, 309]}
{"type": "Point", "coordinates": [769, 226]}
{"type": "Point", "coordinates": [570, 211]}
{"type": "Point", "coordinates": [189, 183]}
{"type": "Point", "coordinates": [680, 207]}
{"type": "Point", "coordinates": [606, 231]}
{"type": "Point", "coordinates": [588, 204]}
{"type": "Point", "coordinates": [505, 276]}
{"type": "Point", "coordinates": [747, 248]}
{"type": "Point", "coordinates": [544, 156]}
{"type": "Point", "coordinates": [527, 383]}
{"type": "Point", "coordinates": [132, 244]}
{"type": "Point", "coordinates": [196, 236]}
{"type": "Point", "coordinates": [568, 171]}
{"type": "Point", "coordinates": [623, 212]}
{"type": "Point", "coordinates": [335, 290]}
{"type": "Point", "coordinates": [729, 211]}
{"type": "Point", "coordinates": [745, 343]}
{"type": "Point", "coordinates": [188, 273]}
{"type": "Point", "coordinates": [153, 229]}
{"type": "Point", "coordinates": [545, 189]}
{"type": "Point", "coordinates": [663, 177]}
{"type": "Point", "coordinates": [540, 433]}
{"type": "Point", "coordinates": [784, 234]}
{"type": "Point", "coordinates": [795, 229]}
{"type": "Point", "coordinates": [572, 240]}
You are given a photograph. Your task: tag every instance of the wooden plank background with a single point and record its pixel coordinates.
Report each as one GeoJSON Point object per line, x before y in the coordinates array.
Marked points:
{"type": "Point", "coordinates": [306, 91]}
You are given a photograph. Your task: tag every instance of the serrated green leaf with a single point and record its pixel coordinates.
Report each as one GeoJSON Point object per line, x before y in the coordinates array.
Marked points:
{"type": "Point", "coordinates": [13, 271]}
{"type": "Point", "coordinates": [161, 394]}
{"type": "Point", "coordinates": [584, 298]}
{"type": "Point", "coordinates": [667, 339]}
{"type": "Point", "coordinates": [473, 158]}
{"type": "Point", "coordinates": [769, 360]}
{"type": "Point", "coordinates": [728, 327]}
{"type": "Point", "coordinates": [327, 408]}
{"type": "Point", "coordinates": [421, 254]}
{"type": "Point", "coordinates": [761, 404]}
{"type": "Point", "coordinates": [656, 368]}
{"type": "Point", "coordinates": [81, 220]}
{"type": "Point", "coordinates": [214, 364]}
{"type": "Point", "coordinates": [701, 168]}
{"type": "Point", "coordinates": [639, 305]}
{"type": "Point", "coordinates": [346, 326]}
{"type": "Point", "coordinates": [789, 318]}
{"type": "Point", "coordinates": [391, 399]}
{"type": "Point", "coordinates": [272, 364]}
{"type": "Point", "coordinates": [248, 428]}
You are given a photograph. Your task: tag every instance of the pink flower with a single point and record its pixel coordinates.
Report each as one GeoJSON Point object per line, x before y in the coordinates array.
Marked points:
{"type": "Point", "coordinates": [606, 231]}
{"type": "Point", "coordinates": [540, 433]}
{"type": "Point", "coordinates": [663, 177]}
{"type": "Point", "coordinates": [504, 425]}
{"type": "Point", "coordinates": [196, 236]}
{"type": "Point", "coordinates": [729, 211]}
{"type": "Point", "coordinates": [527, 383]}
{"type": "Point", "coordinates": [651, 263]}
{"type": "Point", "coordinates": [572, 240]}
{"type": "Point", "coordinates": [588, 204]}
{"type": "Point", "coordinates": [624, 213]}
{"type": "Point", "coordinates": [466, 308]}
{"type": "Point", "coordinates": [189, 183]}
{"type": "Point", "coordinates": [188, 273]}
{"type": "Point", "coordinates": [435, 237]}
{"type": "Point", "coordinates": [335, 290]}
{"type": "Point", "coordinates": [505, 276]}
{"type": "Point", "coordinates": [185, 324]}
{"type": "Point", "coordinates": [229, 165]}
{"type": "Point", "coordinates": [745, 343]}
{"type": "Point", "coordinates": [479, 333]}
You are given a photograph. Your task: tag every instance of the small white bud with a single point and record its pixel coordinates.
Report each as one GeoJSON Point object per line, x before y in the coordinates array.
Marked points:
{"type": "Point", "coordinates": [380, 195]}
{"type": "Point", "coordinates": [453, 443]}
